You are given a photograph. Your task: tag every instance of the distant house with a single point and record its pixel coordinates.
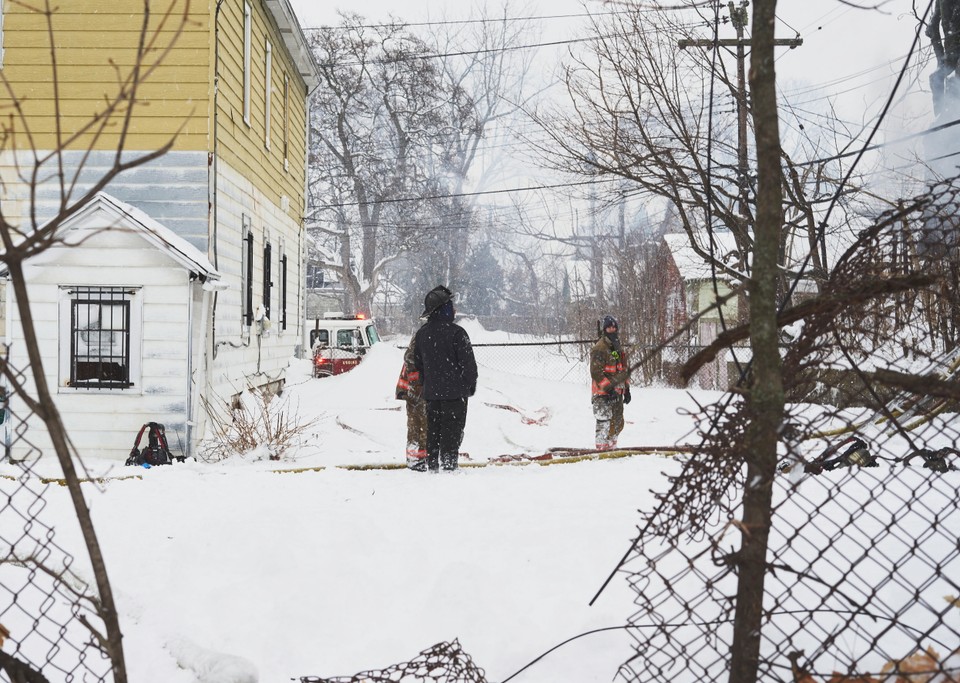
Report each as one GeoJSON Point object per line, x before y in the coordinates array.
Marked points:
{"type": "Point", "coordinates": [179, 285]}
{"type": "Point", "coordinates": [691, 287]}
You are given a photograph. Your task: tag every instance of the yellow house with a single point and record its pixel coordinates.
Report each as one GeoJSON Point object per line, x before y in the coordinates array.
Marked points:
{"type": "Point", "coordinates": [178, 284]}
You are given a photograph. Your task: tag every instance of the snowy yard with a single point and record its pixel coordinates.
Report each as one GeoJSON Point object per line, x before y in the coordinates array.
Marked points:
{"type": "Point", "coordinates": [330, 571]}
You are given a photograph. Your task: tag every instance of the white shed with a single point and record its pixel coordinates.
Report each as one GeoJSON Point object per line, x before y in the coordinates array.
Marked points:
{"type": "Point", "coordinates": [121, 308]}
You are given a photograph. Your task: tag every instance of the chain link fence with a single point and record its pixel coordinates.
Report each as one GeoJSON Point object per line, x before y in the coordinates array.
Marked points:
{"type": "Point", "coordinates": [862, 565]}
{"type": "Point", "coordinates": [861, 572]}
{"type": "Point", "coordinates": [442, 663]}
{"type": "Point", "coordinates": [50, 630]}
{"type": "Point", "coordinates": [569, 361]}
{"type": "Point", "coordinates": [861, 568]}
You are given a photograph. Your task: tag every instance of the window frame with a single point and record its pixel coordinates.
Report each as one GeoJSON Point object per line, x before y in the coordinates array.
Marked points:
{"type": "Point", "coordinates": [283, 289]}
{"type": "Point", "coordinates": [286, 121]}
{"type": "Point", "coordinates": [129, 300]}
{"type": "Point", "coordinates": [267, 93]}
{"type": "Point", "coordinates": [267, 277]}
{"type": "Point", "coordinates": [246, 273]}
{"type": "Point", "coordinates": [247, 58]}
{"type": "Point", "coordinates": [2, 13]}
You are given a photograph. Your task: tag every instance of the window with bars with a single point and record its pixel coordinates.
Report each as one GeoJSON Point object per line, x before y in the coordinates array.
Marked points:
{"type": "Point", "coordinates": [100, 336]}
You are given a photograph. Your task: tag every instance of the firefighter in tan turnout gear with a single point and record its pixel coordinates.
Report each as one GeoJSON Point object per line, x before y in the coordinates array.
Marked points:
{"type": "Point", "coordinates": [610, 385]}
{"type": "Point", "coordinates": [410, 389]}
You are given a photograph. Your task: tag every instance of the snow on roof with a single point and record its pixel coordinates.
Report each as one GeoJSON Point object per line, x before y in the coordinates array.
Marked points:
{"type": "Point", "coordinates": [124, 216]}
{"type": "Point", "coordinates": [691, 265]}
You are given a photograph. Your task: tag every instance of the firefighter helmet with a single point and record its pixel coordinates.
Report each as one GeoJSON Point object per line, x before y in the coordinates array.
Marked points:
{"type": "Point", "coordinates": [434, 299]}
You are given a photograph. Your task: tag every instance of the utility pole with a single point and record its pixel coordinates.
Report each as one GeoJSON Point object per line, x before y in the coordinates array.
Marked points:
{"type": "Point", "coordinates": [739, 20]}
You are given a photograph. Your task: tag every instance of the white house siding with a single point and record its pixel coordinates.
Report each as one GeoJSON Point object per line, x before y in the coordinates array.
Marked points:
{"type": "Point", "coordinates": [104, 422]}
{"type": "Point", "coordinates": [172, 190]}
{"type": "Point", "coordinates": [243, 358]}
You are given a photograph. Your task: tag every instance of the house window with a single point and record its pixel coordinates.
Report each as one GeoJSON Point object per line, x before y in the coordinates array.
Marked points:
{"type": "Point", "coordinates": [286, 120]}
{"type": "Point", "coordinates": [314, 276]}
{"type": "Point", "coordinates": [267, 281]}
{"type": "Point", "coordinates": [247, 49]}
{"type": "Point", "coordinates": [1, 34]}
{"type": "Point", "coordinates": [102, 333]}
{"type": "Point", "coordinates": [283, 292]}
{"type": "Point", "coordinates": [267, 94]}
{"type": "Point", "coordinates": [246, 273]}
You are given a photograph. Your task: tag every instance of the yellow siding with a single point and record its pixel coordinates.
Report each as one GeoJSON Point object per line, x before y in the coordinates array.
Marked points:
{"type": "Point", "coordinates": [96, 45]}
{"type": "Point", "coordinates": [242, 146]}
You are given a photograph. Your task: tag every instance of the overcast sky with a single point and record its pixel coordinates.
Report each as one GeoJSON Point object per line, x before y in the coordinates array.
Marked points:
{"type": "Point", "coordinates": [849, 53]}
{"type": "Point", "coordinates": [847, 64]}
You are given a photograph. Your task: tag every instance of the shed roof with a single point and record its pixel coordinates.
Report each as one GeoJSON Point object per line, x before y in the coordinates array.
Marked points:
{"type": "Point", "coordinates": [122, 216]}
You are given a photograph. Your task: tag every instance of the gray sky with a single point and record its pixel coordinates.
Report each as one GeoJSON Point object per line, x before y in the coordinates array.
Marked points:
{"type": "Point", "coordinates": [849, 54]}
{"type": "Point", "coordinates": [848, 61]}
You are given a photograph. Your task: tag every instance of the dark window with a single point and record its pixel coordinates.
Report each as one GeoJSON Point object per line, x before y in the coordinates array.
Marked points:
{"type": "Point", "coordinates": [267, 277]}
{"type": "Point", "coordinates": [314, 276]}
{"type": "Point", "coordinates": [283, 292]}
{"type": "Point", "coordinates": [100, 337]}
{"type": "Point", "coordinates": [319, 338]}
{"type": "Point", "coordinates": [248, 281]}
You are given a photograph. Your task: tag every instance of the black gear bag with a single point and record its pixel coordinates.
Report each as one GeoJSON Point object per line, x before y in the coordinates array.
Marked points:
{"type": "Point", "coordinates": [156, 452]}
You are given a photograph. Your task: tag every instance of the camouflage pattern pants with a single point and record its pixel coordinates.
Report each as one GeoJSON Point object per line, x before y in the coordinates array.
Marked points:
{"type": "Point", "coordinates": [608, 411]}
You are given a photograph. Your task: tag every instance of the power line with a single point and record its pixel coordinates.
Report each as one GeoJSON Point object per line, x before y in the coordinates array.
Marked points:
{"type": "Point", "coordinates": [532, 17]}
{"type": "Point", "coordinates": [881, 145]}
{"type": "Point", "coordinates": [466, 53]}
{"type": "Point", "coordinates": [530, 188]}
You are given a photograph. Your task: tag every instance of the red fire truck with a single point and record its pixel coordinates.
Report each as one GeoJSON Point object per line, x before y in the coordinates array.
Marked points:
{"type": "Point", "coordinates": [340, 341]}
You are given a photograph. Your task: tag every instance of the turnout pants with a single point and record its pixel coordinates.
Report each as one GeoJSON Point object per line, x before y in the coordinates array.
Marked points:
{"type": "Point", "coordinates": [608, 411]}
{"type": "Point", "coordinates": [445, 423]}
{"type": "Point", "coordinates": [417, 434]}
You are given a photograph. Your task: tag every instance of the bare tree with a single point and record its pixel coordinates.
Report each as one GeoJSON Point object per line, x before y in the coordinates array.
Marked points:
{"type": "Point", "coordinates": [396, 131]}
{"type": "Point", "coordinates": [668, 121]}
{"type": "Point", "coordinates": [373, 119]}
{"type": "Point", "coordinates": [35, 164]}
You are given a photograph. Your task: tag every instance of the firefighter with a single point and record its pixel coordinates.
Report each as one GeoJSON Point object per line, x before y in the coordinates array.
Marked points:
{"type": "Point", "coordinates": [444, 357]}
{"type": "Point", "coordinates": [410, 389]}
{"type": "Point", "coordinates": [610, 383]}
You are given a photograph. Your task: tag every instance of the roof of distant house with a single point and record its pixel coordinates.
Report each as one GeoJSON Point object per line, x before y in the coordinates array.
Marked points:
{"type": "Point", "coordinates": [691, 265]}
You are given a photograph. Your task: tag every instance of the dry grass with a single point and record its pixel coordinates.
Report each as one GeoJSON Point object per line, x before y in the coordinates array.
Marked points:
{"type": "Point", "coordinates": [258, 426]}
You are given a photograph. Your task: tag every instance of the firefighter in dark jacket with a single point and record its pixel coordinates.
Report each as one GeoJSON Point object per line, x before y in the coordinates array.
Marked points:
{"type": "Point", "coordinates": [610, 383]}
{"type": "Point", "coordinates": [444, 357]}
{"type": "Point", "coordinates": [410, 389]}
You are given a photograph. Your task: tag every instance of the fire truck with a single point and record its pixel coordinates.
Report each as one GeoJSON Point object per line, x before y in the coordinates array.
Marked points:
{"type": "Point", "coordinates": [340, 341]}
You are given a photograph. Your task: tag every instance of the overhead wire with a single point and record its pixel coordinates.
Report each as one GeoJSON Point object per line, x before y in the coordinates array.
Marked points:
{"type": "Point", "coordinates": [533, 17]}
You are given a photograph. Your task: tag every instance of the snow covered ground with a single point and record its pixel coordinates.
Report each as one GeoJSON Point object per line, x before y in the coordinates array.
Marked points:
{"type": "Point", "coordinates": [239, 571]}
{"type": "Point", "coordinates": [254, 571]}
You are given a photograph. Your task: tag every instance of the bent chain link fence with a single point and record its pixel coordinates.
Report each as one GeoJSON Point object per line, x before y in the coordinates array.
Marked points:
{"type": "Point", "coordinates": [862, 578]}
{"type": "Point", "coordinates": [442, 663]}
{"type": "Point", "coordinates": [863, 563]}
{"type": "Point", "coordinates": [48, 609]}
